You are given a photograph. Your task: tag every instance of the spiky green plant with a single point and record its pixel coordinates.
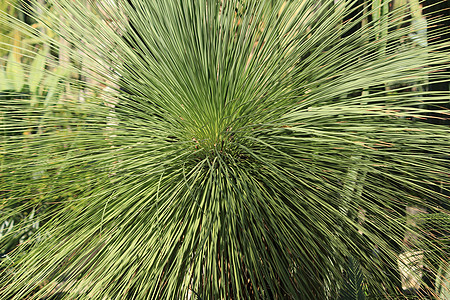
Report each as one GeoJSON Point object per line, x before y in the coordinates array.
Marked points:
{"type": "Point", "coordinates": [232, 155]}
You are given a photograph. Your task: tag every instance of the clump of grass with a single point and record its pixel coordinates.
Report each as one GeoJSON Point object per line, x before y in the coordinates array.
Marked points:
{"type": "Point", "coordinates": [239, 151]}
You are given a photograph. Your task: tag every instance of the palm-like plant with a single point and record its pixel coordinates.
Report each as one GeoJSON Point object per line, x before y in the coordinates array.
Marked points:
{"type": "Point", "coordinates": [242, 149]}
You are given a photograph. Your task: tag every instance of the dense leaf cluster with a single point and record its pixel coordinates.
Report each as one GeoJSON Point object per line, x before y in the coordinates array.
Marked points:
{"type": "Point", "coordinates": [236, 150]}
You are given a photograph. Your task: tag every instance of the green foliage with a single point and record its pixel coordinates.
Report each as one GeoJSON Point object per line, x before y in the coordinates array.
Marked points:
{"type": "Point", "coordinates": [353, 288]}
{"type": "Point", "coordinates": [6, 31]}
{"type": "Point", "coordinates": [233, 152]}
{"type": "Point", "coordinates": [442, 281]}
{"type": "Point", "coordinates": [8, 232]}
{"type": "Point", "coordinates": [36, 83]}
{"type": "Point", "coordinates": [29, 94]}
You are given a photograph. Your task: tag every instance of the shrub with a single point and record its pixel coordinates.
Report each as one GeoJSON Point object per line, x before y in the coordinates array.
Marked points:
{"type": "Point", "coordinates": [241, 150]}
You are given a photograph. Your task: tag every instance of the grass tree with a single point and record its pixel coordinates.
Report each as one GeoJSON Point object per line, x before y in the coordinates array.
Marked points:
{"type": "Point", "coordinates": [227, 150]}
